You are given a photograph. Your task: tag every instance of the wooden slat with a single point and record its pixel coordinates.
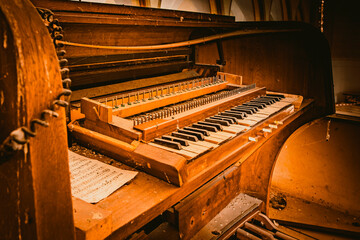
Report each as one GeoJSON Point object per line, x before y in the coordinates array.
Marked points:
{"type": "Point", "coordinates": [119, 128]}
{"type": "Point", "coordinates": [231, 78]}
{"type": "Point", "coordinates": [125, 62]}
{"type": "Point", "coordinates": [257, 12]}
{"type": "Point", "coordinates": [213, 7]}
{"type": "Point", "coordinates": [94, 110]}
{"type": "Point", "coordinates": [129, 85]}
{"type": "Point", "coordinates": [128, 10]}
{"type": "Point", "coordinates": [113, 75]}
{"type": "Point", "coordinates": [267, 9]}
{"type": "Point", "coordinates": [86, 18]}
{"type": "Point", "coordinates": [120, 57]}
{"type": "Point", "coordinates": [284, 8]}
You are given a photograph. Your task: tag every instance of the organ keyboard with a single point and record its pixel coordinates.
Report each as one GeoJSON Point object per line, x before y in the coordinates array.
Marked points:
{"type": "Point", "coordinates": [194, 140]}
{"type": "Point", "coordinates": [189, 119]}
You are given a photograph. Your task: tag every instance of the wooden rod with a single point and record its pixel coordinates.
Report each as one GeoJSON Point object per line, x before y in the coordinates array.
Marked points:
{"type": "Point", "coordinates": [178, 44]}
{"type": "Point", "coordinates": [98, 138]}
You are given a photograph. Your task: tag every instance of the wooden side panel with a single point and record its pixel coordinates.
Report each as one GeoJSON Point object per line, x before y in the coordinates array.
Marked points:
{"type": "Point", "coordinates": [14, 174]}
{"type": "Point", "coordinates": [329, 153]}
{"type": "Point", "coordinates": [37, 180]}
{"type": "Point", "coordinates": [261, 162]}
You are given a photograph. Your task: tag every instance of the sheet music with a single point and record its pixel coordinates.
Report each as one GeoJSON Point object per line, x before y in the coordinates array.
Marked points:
{"type": "Point", "coordinates": [92, 180]}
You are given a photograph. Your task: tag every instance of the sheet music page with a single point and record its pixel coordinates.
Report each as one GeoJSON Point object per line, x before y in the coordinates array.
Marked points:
{"type": "Point", "coordinates": [92, 180]}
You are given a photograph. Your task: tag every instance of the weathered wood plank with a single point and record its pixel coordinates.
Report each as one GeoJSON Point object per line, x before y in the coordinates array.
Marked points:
{"type": "Point", "coordinates": [129, 85]}
{"type": "Point", "coordinates": [94, 110]}
{"type": "Point", "coordinates": [91, 222]}
{"type": "Point", "coordinates": [81, 79]}
{"type": "Point", "coordinates": [128, 10]}
{"type": "Point", "coordinates": [125, 56]}
{"type": "Point", "coordinates": [35, 192]}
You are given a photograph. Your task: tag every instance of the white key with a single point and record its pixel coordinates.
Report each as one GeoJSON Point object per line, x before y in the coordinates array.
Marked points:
{"type": "Point", "coordinates": [226, 134]}
{"type": "Point", "coordinates": [218, 135]}
{"type": "Point", "coordinates": [205, 144]}
{"type": "Point", "coordinates": [181, 152]}
{"type": "Point", "coordinates": [254, 118]}
{"type": "Point", "coordinates": [214, 140]}
{"type": "Point", "coordinates": [262, 116]}
{"type": "Point", "coordinates": [233, 129]}
{"type": "Point", "coordinates": [246, 122]}
{"type": "Point", "coordinates": [195, 148]}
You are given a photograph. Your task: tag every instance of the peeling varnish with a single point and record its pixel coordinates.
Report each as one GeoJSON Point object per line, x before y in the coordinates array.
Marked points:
{"type": "Point", "coordinates": [2, 98]}
{"type": "Point", "coordinates": [328, 131]}
{"type": "Point", "coordinates": [97, 215]}
{"type": "Point", "coordinates": [5, 40]}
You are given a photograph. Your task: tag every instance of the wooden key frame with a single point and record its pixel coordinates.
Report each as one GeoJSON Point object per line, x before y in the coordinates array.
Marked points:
{"type": "Point", "coordinates": [117, 137]}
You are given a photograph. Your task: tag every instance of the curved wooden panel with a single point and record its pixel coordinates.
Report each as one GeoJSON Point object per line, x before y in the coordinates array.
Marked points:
{"type": "Point", "coordinates": [35, 184]}
{"type": "Point", "coordinates": [320, 163]}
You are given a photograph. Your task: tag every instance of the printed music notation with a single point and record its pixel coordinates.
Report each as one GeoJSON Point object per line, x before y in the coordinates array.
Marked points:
{"type": "Point", "coordinates": [92, 180]}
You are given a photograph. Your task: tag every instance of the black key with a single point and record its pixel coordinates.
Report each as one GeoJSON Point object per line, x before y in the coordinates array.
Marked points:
{"type": "Point", "coordinates": [185, 136]}
{"type": "Point", "coordinates": [266, 101]}
{"type": "Point", "coordinates": [237, 112]}
{"type": "Point", "coordinates": [275, 95]}
{"type": "Point", "coordinates": [275, 98]}
{"type": "Point", "coordinates": [217, 125]}
{"type": "Point", "coordinates": [237, 115]}
{"type": "Point", "coordinates": [247, 111]}
{"type": "Point", "coordinates": [243, 112]}
{"type": "Point", "coordinates": [202, 131]}
{"type": "Point", "coordinates": [200, 136]}
{"type": "Point", "coordinates": [175, 139]}
{"type": "Point", "coordinates": [254, 105]}
{"type": "Point", "coordinates": [206, 127]}
{"type": "Point", "coordinates": [221, 122]}
{"type": "Point", "coordinates": [252, 108]}
{"type": "Point", "coordinates": [168, 143]}
{"type": "Point", "coordinates": [227, 120]}
{"type": "Point", "coordinates": [270, 100]}
{"type": "Point", "coordinates": [261, 102]}
{"type": "Point", "coordinates": [233, 119]}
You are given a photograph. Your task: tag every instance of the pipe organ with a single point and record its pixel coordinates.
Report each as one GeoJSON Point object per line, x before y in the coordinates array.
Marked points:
{"type": "Point", "coordinates": [184, 98]}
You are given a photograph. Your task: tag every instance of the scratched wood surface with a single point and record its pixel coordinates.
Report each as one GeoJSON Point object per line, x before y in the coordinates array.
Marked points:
{"type": "Point", "coordinates": [35, 192]}
{"type": "Point", "coordinates": [146, 197]}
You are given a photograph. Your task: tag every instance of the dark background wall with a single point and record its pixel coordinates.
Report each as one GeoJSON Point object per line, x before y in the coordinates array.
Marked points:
{"type": "Point", "coordinates": [337, 19]}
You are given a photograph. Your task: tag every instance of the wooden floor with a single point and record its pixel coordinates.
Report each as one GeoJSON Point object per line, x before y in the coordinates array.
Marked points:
{"type": "Point", "coordinates": [316, 220]}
